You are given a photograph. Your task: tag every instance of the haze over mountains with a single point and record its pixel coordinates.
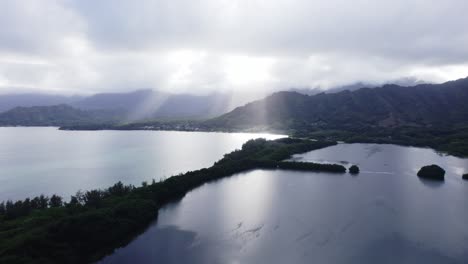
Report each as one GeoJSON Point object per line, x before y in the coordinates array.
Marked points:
{"type": "Point", "coordinates": [140, 104]}
{"type": "Point", "coordinates": [165, 104]}
{"type": "Point", "coordinates": [143, 104]}
{"type": "Point", "coordinates": [423, 105]}
{"type": "Point", "coordinates": [10, 101]}
{"type": "Point", "coordinates": [406, 82]}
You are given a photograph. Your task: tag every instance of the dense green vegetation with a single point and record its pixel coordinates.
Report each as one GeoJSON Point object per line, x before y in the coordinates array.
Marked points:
{"type": "Point", "coordinates": [432, 172]}
{"type": "Point", "coordinates": [308, 166]}
{"type": "Point", "coordinates": [93, 223]}
{"type": "Point", "coordinates": [354, 169]}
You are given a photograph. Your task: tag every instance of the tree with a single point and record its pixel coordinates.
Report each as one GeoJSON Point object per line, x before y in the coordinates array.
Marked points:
{"type": "Point", "coordinates": [432, 172]}
{"type": "Point", "coordinates": [26, 208]}
{"type": "Point", "coordinates": [9, 209]}
{"type": "Point", "coordinates": [73, 202]}
{"type": "Point", "coordinates": [119, 189]}
{"type": "Point", "coordinates": [354, 169]}
{"type": "Point", "coordinates": [93, 198]}
{"type": "Point", "coordinates": [43, 201]}
{"type": "Point", "coordinates": [55, 201]}
{"type": "Point", "coordinates": [35, 203]}
{"type": "Point", "coordinates": [80, 197]}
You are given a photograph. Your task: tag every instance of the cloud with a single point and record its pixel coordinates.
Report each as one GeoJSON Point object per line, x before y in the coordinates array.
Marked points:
{"type": "Point", "coordinates": [85, 46]}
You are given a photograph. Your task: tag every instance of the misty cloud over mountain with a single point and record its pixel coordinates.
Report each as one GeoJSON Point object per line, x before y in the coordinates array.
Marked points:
{"type": "Point", "coordinates": [76, 47]}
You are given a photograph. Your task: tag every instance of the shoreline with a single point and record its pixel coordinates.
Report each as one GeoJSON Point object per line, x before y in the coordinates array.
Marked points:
{"type": "Point", "coordinates": [93, 224]}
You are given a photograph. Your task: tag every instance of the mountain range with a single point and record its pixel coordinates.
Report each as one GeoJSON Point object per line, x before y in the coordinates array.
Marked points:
{"type": "Point", "coordinates": [388, 106]}
{"type": "Point", "coordinates": [425, 105]}
{"type": "Point", "coordinates": [56, 115]}
{"type": "Point", "coordinates": [41, 109]}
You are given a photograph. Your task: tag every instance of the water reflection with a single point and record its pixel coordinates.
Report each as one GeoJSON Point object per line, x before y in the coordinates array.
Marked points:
{"type": "Point", "coordinates": [431, 183]}
{"type": "Point", "coordinates": [397, 249]}
{"type": "Point", "coordinates": [47, 160]}
{"type": "Point", "coordinates": [385, 215]}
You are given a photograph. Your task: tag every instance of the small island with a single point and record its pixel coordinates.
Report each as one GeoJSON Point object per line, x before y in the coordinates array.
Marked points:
{"type": "Point", "coordinates": [432, 172]}
{"type": "Point", "coordinates": [465, 176]}
{"type": "Point", "coordinates": [354, 169]}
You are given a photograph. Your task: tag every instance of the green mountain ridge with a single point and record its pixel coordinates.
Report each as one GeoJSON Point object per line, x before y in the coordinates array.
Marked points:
{"type": "Point", "coordinates": [389, 106]}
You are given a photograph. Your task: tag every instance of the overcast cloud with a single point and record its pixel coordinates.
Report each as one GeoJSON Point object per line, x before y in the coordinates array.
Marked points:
{"type": "Point", "coordinates": [200, 46]}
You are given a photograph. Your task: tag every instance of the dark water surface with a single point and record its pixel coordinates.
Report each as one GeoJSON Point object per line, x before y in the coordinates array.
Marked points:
{"type": "Point", "coordinates": [35, 160]}
{"type": "Point", "coordinates": [386, 214]}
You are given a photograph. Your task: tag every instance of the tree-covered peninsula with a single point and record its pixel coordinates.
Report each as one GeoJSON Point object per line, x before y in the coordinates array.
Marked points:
{"type": "Point", "coordinates": [93, 223]}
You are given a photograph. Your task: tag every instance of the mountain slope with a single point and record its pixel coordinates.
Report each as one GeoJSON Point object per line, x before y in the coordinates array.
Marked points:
{"type": "Point", "coordinates": [140, 104]}
{"type": "Point", "coordinates": [423, 105]}
{"type": "Point", "coordinates": [144, 104]}
{"type": "Point", "coordinates": [125, 101]}
{"type": "Point", "coordinates": [124, 107]}
{"type": "Point", "coordinates": [10, 101]}
{"type": "Point", "coordinates": [56, 115]}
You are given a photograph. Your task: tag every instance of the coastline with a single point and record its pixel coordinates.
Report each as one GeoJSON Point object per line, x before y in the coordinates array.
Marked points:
{"type": "Point", "coordinates": [94, 223]}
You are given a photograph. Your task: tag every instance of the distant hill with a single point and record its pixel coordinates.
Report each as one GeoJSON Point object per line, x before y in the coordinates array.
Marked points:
{"type": "Point", "coordinates": [148, 104]}
{"type": "Point", "coordinates": [57, 115]}
{"type": "Point", "coordinates": [10, 101]}
{"type": "Point", "coordinates": [125, 101]}
{"type": "Point", "coordinates": [424, 105]}
{"type": "Point", "coordinates": [140, 104]}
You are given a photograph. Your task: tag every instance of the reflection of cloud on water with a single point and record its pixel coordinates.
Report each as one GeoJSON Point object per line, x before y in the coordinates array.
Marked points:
{"type": "Point", "coordinates": [396, 248]}
{"type": "Point", "coordinates": [372, 149]}
{"type": "Point", "coordinates": [244, 236]}
{"type": "Point", "coordinates": [379, 172]}
{"type": "Point", "coordinates": [167, 244]}
{"type": "Point", "coordinates": [304, 236]}
{"type": "Point", "coordinates": [326, 238]}
{"type": "Point", "coordinates": [321, 161]}
{"type": "Point", "coordinates": [254, 231]}
{"type": "Point", "coordinates": [431, 183]}
{"type": "Point", "coordinates": [384, 204]}
{"type": "Point", "coordinates": [459, 170]}
{"type": "Point", "coordinates": [238, 226]}
{"type": "Point", "coordinates": [347, 226]}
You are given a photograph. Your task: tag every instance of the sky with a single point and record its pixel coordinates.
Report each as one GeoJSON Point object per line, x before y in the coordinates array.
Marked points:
{"type": "Point", "coordinates": [204, 46]}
